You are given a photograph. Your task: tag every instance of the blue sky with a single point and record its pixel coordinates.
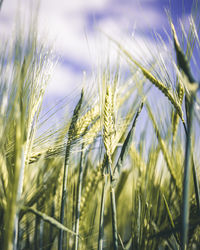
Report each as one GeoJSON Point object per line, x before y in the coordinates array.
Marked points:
{"type": "Point", "coordinates": [73, 28]}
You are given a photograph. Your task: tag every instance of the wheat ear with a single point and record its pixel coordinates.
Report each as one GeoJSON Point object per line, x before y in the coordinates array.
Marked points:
{"type": "Point", "coordinates": [153, 80]}
{"type": "Point", "coordinates": [108, 137]}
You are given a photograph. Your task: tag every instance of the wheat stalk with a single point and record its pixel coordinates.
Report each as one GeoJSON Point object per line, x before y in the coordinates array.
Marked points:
{"type": "Point", "coordinates": [108, 136]}
{"type": "Point", "coordinates": [71, 136]}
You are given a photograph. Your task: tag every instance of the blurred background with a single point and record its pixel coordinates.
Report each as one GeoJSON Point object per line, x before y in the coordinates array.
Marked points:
{"type": "Point", "coordinates": [75, 30]}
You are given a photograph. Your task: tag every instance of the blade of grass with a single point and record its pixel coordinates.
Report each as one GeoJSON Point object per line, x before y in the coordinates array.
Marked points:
{"type": "Point", "coordinates": [48, 219]}
{"type": "Point", "coordinates": [101, 222]}
{"type": "Point", "coordinates": [114, 215]}
{"type": "Point", "coordinates": [71, 134]}
{"type": "Point", "coordinates": [80, 182]}
{"type": "Point", "coordinates": [171, 219]}
{"type": "Point", "coordinates": [186, 183]}
{"type": "Point", "coordinates": [128, 141]}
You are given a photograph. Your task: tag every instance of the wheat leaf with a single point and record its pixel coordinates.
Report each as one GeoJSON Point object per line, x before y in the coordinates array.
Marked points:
{"type": "Point", "coordinates": [128, 141]}
{"type": "Point", "coordinates": [49, 219]}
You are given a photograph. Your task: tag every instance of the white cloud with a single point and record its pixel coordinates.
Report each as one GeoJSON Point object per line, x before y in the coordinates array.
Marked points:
{"type": "Point", "coordinates": [74, 6]}
{"type": "Point", "coordinates": [63, 81]}
{"type": "Point", "coordinates": [65, 24]}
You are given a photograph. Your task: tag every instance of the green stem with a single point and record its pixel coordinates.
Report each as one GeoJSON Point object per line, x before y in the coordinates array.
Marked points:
{"type": "Point", "coordinates": [80, 182]}
{"type": "Point", "coordinates": [186, 181]}
{"type": "Point", "coordinates": [41, 234]}
{"type": "Point", "coordinates": [196, 185]}
{"type": "Point", "coordinates": [19, 192]}
{"type": "Point", "coordinates": [13, 186]}
{"type": "Point", "coordinates": [71, 136]}
{"type": "Point", "coordinates": [114, 209]}
{"type": "Point", "coordinates": [1, 1]}
{"type": "Point", "coordinates": [64, 194]}
{"type": "Point", "coordinates": [53, 216]}
{"type": "Point", "coordinates": [195, 180]}
{"type": "Point", "coordinates": [114, 218]}
{"type": "Point", "coordinates": [101, 222]}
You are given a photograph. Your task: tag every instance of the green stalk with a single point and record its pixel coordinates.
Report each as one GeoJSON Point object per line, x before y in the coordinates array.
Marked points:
{"type": "Point", "coordinates": [114, 218]}
{"type": "Point", "coordinates": [80, 182]}
{"type": "Point", "coordinates": [188, 106]}
{"type": "Point", "coordinates": [101, 222]}
{"type": "Point", "coordinates": [22, 107]}
{"type": "Point", "coordinates": [64, 194]}
{"type": "Point", "coordinates": [12, 209]}
{"type": "Point", "coordinates": [196, 184]}
{"type": "Point", "coordinates": [19, 192]}
{"type": "Point", "coordinates": [186, 181]}
{"type": "Point", "coordinates": [37, 223]}
{"type": "Point", "coordinates": [41, 234]}
{"type": "Point", "coordinates": [1, 1]}
{"type": "Point", "coordinates": [52, 215]}
{"type": "Point", "coordinates": [71, 135]}
{"type": "Point", "coordinates": [113, 209]}
{"type": "Point", "coordinates": [27, 245]}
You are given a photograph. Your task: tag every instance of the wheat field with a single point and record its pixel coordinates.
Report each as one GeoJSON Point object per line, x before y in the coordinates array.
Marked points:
{"type": "Point", "coordinates": [121, 171]}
